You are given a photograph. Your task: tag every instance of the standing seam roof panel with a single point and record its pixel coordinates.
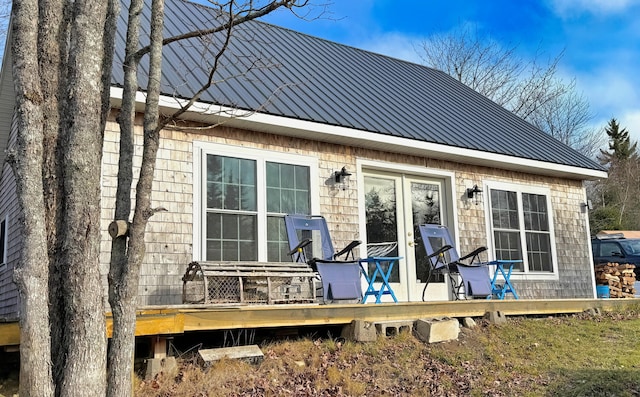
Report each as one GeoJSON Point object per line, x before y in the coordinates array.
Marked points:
{"type": "Point", "coordinates": [345, 86]}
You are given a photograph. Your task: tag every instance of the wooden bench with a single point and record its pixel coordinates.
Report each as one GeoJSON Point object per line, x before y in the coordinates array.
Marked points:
{"type": "Point", "coordinates": [249, 283]}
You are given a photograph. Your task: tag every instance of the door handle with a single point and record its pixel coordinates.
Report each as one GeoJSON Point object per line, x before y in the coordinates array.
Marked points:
{"type": "Point", "coordinates": [411, 243]}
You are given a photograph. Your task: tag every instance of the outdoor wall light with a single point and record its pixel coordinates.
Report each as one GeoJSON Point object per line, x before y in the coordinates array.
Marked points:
{"type": "Point", "coordinates": [341, 178]}
{"type": "Point", "coordinates": [474, 193]}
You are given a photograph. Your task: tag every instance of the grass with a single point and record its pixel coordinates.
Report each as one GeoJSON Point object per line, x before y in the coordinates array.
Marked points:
{"type": "Point", "coordinates": [578, 355]}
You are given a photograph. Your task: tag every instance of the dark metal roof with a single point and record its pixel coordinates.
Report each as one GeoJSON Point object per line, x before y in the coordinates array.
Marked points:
{"type": "Point", "coordinates": [286, 73]}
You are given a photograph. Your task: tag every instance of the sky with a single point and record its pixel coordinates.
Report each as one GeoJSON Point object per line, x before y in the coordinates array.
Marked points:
{"type": "Point", "coordinates": [599, 39]}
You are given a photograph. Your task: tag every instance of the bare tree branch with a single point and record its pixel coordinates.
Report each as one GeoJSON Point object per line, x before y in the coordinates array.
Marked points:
{"type": "Point", "coordinates": [526, 88]}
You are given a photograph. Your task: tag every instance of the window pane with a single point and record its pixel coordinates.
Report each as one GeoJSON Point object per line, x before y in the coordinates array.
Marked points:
{"type": "Point", "coordinates": [214, 226]}
{"type": "Point", "coordinates": [508, 247]}
{"type": "Point", "coordinates": [288, 200]}
{"type": "Point", "coordinates": [248, 172]}
{"type": "Point", "coordinates": [247, 251]}
{"type": "Point", "coordinates": [231, 183]}
{"type": "Point", "coordinates": [273, 200]}
{"type": "Point", "coordinates": [504, 209]}
{"type": "Point", "coordinates": [231, 237]}
{"type": "Point", "coordinates": [230, 227]}
{"type": "Point", "coordinates": [539, 252]}
{"type": "Point", "coordinates": [230, 251]}
{"type": "Point", "coordinates": [287, 176]}
{"type": "Point", "coordinates": [288, 189]}
{"type": "Point", "coordinates": [230, 170]}
{"type": "Point", "coordinates": [302, 202]}
{"type": "Point", "coordinates": [214, 195]}
{"type": "Point", "coordinates": [535, 212]}
{"type": "Point", "coordinates": [273, 174]}
{"type": "Point", "coordinates": [247, 227]}
{"type": "Point", "coordinates": [277, 241]}
{"type": "Point", "coordinates": [214, 250]}
{"type": "Point", "coordinates": [302, 178]}
{"type": "Point", "coordinates": [248, 196]}
{"type": "Point", "coordinates": [214, 168]}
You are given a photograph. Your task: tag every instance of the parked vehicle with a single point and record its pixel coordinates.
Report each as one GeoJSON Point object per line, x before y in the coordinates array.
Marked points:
{"type": "Point", "coordinates": [616, 248]}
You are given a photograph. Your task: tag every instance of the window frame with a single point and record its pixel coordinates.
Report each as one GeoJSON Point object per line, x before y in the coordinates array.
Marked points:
{"type": "Point", "coordinates": [261, 157]}
{"type": "Point", "coordinates": [521, 189]}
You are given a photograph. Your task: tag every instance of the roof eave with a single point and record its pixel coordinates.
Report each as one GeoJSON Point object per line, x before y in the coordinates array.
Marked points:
{"type": "Point", "coordinates": [215, 114]}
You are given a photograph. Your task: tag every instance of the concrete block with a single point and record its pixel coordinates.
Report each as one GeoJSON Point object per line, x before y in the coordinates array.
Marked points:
{"type": "Point", "coordinates": [360, 331]}
{"type": "Point", "coordinates": [593, 311]}
{"type": "Point", "coordinates": [251, 353]}
{"type": "Point", "coordinates": [495, 317]}
{"type": "Point", "coordinates": [167, 366]}
{"type": "Point", "coordinates": [393, 328]}
{"type": "Point", "coordinates": [468, 322]}
{"type": "Point", "coordinates": [437, 330]}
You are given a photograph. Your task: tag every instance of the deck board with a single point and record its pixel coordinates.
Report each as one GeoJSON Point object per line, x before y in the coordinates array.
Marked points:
{"type": "Point", "coordinates": [178, 319]}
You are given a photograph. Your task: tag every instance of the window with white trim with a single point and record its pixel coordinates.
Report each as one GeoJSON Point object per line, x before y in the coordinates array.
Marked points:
{"type": "Point", "coordinates": [245, 195]}
{"type": "Point", "coordinates": [522, 227]}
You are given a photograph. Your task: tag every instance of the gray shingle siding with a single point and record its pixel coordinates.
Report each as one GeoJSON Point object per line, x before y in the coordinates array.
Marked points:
{"type": "Point", "coordinates": [9, 209]}
{"type": "Point", "coordinates": [317, 80]}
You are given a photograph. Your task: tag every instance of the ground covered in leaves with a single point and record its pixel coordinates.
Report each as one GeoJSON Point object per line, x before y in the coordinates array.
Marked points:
{"type": "Point", "coordinates": [578, 355]}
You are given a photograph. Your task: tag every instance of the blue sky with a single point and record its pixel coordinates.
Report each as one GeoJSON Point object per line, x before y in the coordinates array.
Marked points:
{"type": "Point", "coordinates": [600, 38]}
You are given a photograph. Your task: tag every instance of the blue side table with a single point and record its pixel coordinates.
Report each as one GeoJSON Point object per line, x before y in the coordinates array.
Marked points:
{"type": "Point", "coordinates": [500, 291]}
{"type": "Point", "coordinates": [385, 288]}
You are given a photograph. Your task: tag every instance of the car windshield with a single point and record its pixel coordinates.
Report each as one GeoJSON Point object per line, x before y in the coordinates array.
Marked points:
{"type": "Point", "coordinates": [631, 247]}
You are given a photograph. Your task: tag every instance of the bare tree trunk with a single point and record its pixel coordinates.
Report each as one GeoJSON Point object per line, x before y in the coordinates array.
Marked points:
{"type": "Point", "coordinates": [59, 57]}
{"type": "Point", "coordinates": [52, 55]}
{"type": "Point", "coordinates": [120, 358]}
{"type": "Point", "coordinates": [85, 339]}
{"type": "Point", "coordinates": [31, 274]}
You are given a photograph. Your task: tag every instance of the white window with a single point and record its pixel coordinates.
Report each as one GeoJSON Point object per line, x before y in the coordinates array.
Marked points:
{"type": "Point", "coordinates": [243, 197]}
{"type": "Point", "coordinates": [3, 242]}
{"type": "Point", "coordinates": [521, 227]}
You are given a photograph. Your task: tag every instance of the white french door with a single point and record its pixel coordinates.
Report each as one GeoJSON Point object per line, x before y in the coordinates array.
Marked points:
{"type": "Point", "coordinates": [395, 204]}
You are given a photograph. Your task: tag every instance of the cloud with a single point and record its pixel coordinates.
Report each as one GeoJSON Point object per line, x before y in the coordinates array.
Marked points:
{"type": "Point", "coordinates": [572, 8]}
{"type": "Point", "coordinates": [394, 44]}
{"type": "Point", "coordinates": [631, 121]}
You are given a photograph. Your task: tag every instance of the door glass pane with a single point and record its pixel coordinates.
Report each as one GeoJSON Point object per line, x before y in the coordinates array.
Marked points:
{"type": "Point", "coordinates": [381, 217]}
{"type": "Point", "coordinates": [425, 206]}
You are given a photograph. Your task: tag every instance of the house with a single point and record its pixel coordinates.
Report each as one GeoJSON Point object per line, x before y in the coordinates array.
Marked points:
{"type": "Point", "coordinates": [292, 110]}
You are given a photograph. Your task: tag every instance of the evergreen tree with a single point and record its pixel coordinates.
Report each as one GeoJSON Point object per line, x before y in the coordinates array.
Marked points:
{"type": "Point", "coordinates": [620, 146]}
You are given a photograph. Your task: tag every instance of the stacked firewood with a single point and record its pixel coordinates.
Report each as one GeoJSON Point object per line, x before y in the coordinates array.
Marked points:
{"type": "Point", "coordinates": [619, 278]}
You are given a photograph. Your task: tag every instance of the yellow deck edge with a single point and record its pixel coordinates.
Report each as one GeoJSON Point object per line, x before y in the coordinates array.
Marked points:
{"type": "Point", "coordinates": [178, 319]}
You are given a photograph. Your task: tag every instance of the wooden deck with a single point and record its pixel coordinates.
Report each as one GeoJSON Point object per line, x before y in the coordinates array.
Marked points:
{"type": "Point", "coordinates": [179, 319]}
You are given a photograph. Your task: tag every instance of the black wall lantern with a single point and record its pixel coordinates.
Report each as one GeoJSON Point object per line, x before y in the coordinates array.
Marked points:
{"type": "Point", "coordinates": [474, 193]}
{"type": "Point", "coordinates": [341, 178]}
